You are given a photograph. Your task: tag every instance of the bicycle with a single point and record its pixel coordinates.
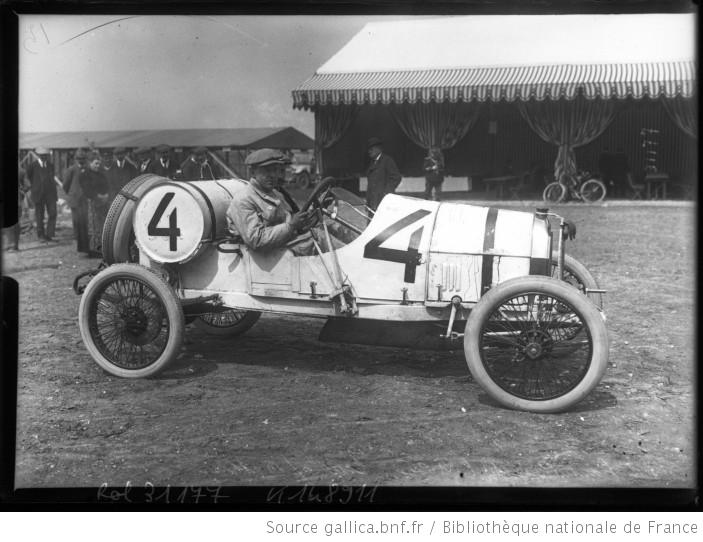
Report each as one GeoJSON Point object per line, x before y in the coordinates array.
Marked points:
{"type": "Point", "coordinates": [582, 187]}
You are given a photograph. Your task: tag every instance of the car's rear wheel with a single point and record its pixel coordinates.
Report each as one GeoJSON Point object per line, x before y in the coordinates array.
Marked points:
{"type": "Point", "coordinates": [231, 322]}
{"type": "Point", "coordinates": [576, 274]}
{"type": "Point", "coordinates": [536, 344]}
{"type": "Point", "coordinates": [131, 321]}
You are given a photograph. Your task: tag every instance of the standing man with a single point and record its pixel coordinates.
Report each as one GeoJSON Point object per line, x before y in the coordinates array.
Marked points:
{"type": "Point", "coordinates": [434, 173]}
{"type": "Point", "coordinates": [77, 200]}
{"type": "Point", "coordinates": [197, 167]}
{"type": "Point", "coordinates": [119, 171]}
{"type": "Point", "coordinates": [145, 160]}
{"type": "Point", "coordinates": [383, 175]}
{"type": "Point", "coordinates": [163, 165]}
{"type": "Point", "coordinates": [40, 177]}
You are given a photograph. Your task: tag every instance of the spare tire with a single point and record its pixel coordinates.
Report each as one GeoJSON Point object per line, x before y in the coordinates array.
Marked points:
{"type": "Point", "coordinates": [118, 245]}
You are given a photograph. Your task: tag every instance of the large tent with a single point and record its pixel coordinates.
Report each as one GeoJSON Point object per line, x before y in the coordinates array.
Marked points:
{"type": "Point", "coordinates": [499, 89]}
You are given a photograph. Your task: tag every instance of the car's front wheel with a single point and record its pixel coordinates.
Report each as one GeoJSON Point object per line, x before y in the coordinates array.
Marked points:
{"type": "Point", "coordinates": [536, 344]}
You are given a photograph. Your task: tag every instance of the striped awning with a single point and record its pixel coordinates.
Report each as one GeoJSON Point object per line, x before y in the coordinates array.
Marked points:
{"type": "Point", "coordinates": [636, 80]}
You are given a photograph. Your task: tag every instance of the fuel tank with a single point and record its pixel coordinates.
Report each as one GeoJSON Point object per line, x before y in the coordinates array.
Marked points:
{"type": "Point", "coordinates": [172, 219]}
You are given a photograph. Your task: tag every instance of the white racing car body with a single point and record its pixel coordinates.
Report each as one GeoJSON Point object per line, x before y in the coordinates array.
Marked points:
{"type": "Point", "coordinates": [417, 274]}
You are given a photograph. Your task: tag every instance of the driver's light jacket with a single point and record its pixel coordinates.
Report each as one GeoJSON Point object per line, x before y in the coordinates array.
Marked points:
{"type": "Point", "coordinates": [262, 220]}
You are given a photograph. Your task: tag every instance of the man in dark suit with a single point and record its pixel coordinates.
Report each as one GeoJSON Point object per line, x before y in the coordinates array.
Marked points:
{"type": "Point", "coordinates": [163, 165]}
{"type": "Point", "coordinates": [40, 177]}
{"type": "Point", "coordinates": [77, 200]}
{"type": "Point", "coordinates": [119, 171]}
{"type": "Point", "coordinates": [197, 167]}
{"type": "Point", "coordinates": [145, 160]}
{"type": "Point", "coordinates": [383, 175]}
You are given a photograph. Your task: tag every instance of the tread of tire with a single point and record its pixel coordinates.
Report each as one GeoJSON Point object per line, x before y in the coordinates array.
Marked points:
{"type": "Point", "coordinates": [177, 338]}
{"type": "Point", "coordinates": [559, 404]}
{"type": "Point", "coordinates": [117, 207]}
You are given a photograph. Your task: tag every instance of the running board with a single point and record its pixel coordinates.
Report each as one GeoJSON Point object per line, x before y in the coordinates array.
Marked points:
{"type": "Point", "coordinates": [416, 335]}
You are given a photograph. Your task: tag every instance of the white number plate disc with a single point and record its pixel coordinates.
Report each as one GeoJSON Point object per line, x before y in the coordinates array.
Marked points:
{"type": "Point", "coordinates": [168, 224]}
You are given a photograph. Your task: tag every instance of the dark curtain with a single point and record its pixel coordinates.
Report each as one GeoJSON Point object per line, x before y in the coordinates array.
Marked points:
{"type": "Point", "coordinates": [331, 123]}
{"type": "Point", "coordinates": [434, 124]}
{"type": "Point", "coordinates": [568, 124]}
{"type": "Point", "coordinates": [684, 113]}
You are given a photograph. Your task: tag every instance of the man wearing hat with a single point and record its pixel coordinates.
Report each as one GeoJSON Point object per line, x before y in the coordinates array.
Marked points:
{"type": "Point", "coordinates": [383, 175]}
{"type": "Point", "coordinates": [197, 167]}
{"type": "Point", "coordinates": [163, 165]}
{"type": "Point", "coordinates": [76, 199]}
{"type": "Point", "coordinates": [433, 164]}
{"type": "Point", "coordinates": [261, 216]}
{"type": "Point", "coordinates": [145, 159]}
{"type": "Point", "coordinates": [40, 177]}
{"type": "Point", "coordinates": [119, 171]}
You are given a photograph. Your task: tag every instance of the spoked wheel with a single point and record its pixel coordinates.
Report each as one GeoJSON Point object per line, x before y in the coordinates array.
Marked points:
{"type": "Point", "coordinates": [131, 321]}
{"type": "Point", "coordinates": [592, 191]}
{"type": "Point", "coordinates": [231, 322]}
{"type": "Point", "coordinates": [554, 192]}
{"type": "Point", "coordinates": [576, 274]}
{"type": "Point", "coordinates": [536, 344]}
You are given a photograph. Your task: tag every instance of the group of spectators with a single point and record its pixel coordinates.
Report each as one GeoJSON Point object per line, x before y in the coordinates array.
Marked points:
{"type": "Point", "coordinates": [91, 182]}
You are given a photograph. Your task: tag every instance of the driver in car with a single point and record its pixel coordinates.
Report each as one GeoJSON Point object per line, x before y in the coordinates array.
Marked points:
{"type": "Point", "coordinates": [263, 217]}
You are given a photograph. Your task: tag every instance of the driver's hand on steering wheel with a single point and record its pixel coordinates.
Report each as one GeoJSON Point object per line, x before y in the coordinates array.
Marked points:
{"type": "Point", "coordinates": [302, 220]}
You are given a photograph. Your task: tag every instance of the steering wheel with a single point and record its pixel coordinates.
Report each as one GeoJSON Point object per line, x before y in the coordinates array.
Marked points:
{"type": "Point", "coordinates": [323, 198]}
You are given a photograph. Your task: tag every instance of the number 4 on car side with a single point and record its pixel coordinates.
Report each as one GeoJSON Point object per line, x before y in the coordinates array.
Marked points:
{"type": "Point", "coordinates": [415, 274]}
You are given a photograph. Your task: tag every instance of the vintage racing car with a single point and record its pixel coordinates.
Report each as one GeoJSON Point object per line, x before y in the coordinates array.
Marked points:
{"type": "Point", "coordinates": [416, 274]}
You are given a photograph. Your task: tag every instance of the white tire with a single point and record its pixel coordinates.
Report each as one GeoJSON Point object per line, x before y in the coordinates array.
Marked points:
{"type": "Point", "coordinates": [131, 321]}
{"type": "Point", "coordinates": [536, 344]}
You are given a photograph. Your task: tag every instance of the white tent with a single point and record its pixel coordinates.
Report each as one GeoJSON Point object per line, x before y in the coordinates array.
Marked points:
{"type": "Point", "coordinates": [509, 57]}
{"type": "Point", "coordinates": [566, 74]}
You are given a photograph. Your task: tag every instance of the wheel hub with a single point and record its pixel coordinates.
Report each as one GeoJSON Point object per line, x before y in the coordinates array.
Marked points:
{"type": "Point", "coordinates": [536, 344]}
{"type": "Point", "coordinates": [136, 326]}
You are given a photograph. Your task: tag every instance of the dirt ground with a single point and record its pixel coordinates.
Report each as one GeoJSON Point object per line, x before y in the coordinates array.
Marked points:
{"type": "Point", "coordinates": [275, 406]}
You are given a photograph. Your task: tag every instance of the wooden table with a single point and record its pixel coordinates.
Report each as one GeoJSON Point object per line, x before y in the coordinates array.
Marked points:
{"type": "Point", "coordinates": [498, 184]}
{"type": "Point", "coordinates": [656, 185]}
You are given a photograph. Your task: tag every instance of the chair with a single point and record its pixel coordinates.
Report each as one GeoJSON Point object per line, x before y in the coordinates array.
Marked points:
{"type": "Point", "coordinates": [636, 189]}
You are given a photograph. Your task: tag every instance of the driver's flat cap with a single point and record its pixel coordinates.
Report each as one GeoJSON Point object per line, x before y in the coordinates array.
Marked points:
{"type": "Point", "coordinates": [265, 157]}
